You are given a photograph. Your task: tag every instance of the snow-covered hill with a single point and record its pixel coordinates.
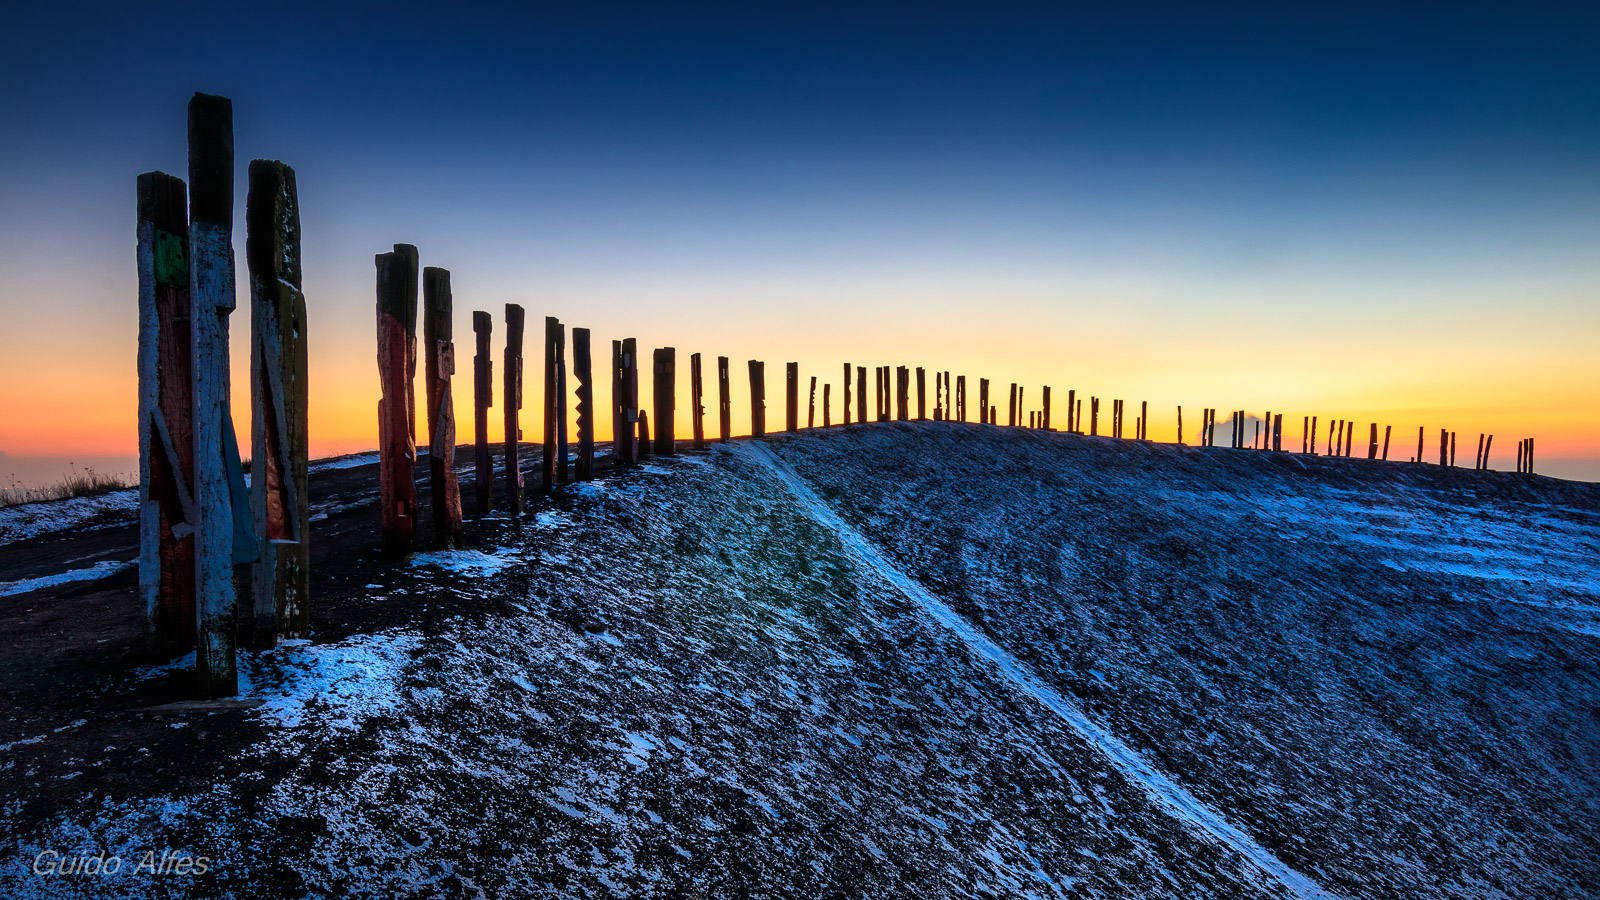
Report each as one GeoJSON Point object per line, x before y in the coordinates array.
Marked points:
{"type": "Point", "coordinates": [914, 660]}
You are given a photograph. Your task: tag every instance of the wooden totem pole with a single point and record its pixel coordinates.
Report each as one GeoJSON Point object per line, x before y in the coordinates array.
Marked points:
{"type": "Point", "coordinates": [583, 373]}
{"type": "Point", "coordinates": [758, 398]}
{"type": "Point", "coordinates": [280, 500]}
{"type": "Point", "coordinates": [482, 399]}
{"type": "Point", "coordinates": [697, 407]}
{"type": "Point", "coordinates": [439, 365]}
{"type": "Point", "coordinates": [511, 400]}
{"type": "Point", "coordinates": [724, 401]}
{"type": "Point", "coordinates": [664, 383]}
{"type": "Point", "coordinates": [397, 338]}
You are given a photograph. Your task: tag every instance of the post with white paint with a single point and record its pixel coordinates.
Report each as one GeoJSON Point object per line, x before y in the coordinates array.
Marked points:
{"type": "Point", "coordinates": [166, 435]}
{"type": "Point", "coordinates": [280, 500]}
{"type": "Point", "coordinates": [212, 294]}
{"type": "Point", "coordinates": [846, 419]}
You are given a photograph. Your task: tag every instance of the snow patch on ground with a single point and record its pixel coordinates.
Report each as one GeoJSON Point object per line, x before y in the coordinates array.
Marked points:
{"type": "Point", "coordinates": [94, 573]}
{"type": "Point", "coordinates": [343, 683]}
{"type": "Point", "coordinates": [471, 563]}
{"type": "Point", "coordinates": [30, 520]}
{"type": "Point", "coordinates": [352, 461]}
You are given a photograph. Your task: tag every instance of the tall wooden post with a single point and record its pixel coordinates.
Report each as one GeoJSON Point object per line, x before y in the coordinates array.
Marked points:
{"type": "Point", "coordinates": [861, 393]}
{"type": "Point", "coordinates": [511, 399]}
{"type": "Point", "coordinates": [697, 401]}
{"type": "Point", "coordinates": [1477, 461]}
{"type": "Point", "coordinates": [791, 397]}
{"type": "Point", "coordinates": [1011, 407]}
{"type": "Point", "coordinates": [940, 410]}
{"type": "Point", "coordinates": [397, 325]}
{"type": "Point", "coordinates": [166, 410]}
{"type": "Point", "coordinates": [439, 353]}
{"type": "Point", "coordinates": [846, 419]}
{"type": "Point", "coordinates": [279, 498]}
{"type": "Point", "coordinates": [961, 398]}
{"type": "Point", "coordinates": [1372, 442]}
{"type": "Point", "coordinates": [632, 449]}
{"type": "Point", "coordinates": [1529, 461]}
{"type": "Point", "coordinates": [922, 389]}
{"type": "Point", "coordinates": [983, 402]}
{"type": "Point", "coordinates": [827, 404]}
{"type": "Point", "coordinates": [1522, 445]}
{"type": "Point", "coordinates": [563, 467]}
{"type": "Point", "coordinates": [583, 374]}
{"type": "Point", "coordinates": [1444, 447]}
{"type": "Point", "coordinates": [811, 405]}
{"type": "Point", "coordinates": [1487, 446]}
{"type": "Point", "coordinates": [758, 398]}
{"type": "Point", "coordinates": [724, 402]}
{"type": "Point", "coordinates": [664, 383]}
{"type": "Point", "coordinates": [643, 438]}
{"type": "Point", "coordinates": [1020, 405]}
{"type": "Point", "coordinates": [1452, 449]}
{"type": "Point", "coordinates": [1181, 441]}
{"type": "Point", "coordinates": [482, 399]}
{"type": "Point", "coordinates": [555, 402]}
{"type": "Point", "coordinates": [1094, 415]}
{"type": "Point", "coordinates": [1386, 430]}
{"type": "Point", "coordinates": [212, 300]}
{"type": "Point", "coordinates": [885, 395]}
{"type": "Point", "coordinates": [618, 425]}
{"type": "Point", "coordinates": [902, 404]}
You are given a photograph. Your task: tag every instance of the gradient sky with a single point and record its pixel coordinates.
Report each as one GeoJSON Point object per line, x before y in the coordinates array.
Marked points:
{"type": "Point", "coordinates": [1354, 211]}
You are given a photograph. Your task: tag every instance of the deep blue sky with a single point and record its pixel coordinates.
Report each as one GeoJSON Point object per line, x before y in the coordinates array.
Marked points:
{"type": "Point", "coordinates": [1352, 180]}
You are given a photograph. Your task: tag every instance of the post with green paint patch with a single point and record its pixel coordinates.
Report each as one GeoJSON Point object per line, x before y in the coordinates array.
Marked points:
{"type": "Point", "coordinates": [166, 435]}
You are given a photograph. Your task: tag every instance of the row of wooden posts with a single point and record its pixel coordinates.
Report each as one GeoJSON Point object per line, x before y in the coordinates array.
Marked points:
{"type": "Point", "coordinates": [199, 519]}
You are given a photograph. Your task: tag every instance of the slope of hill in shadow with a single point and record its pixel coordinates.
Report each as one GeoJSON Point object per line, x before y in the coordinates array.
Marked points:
{"type": "Point", "coordinates": [927, 660]}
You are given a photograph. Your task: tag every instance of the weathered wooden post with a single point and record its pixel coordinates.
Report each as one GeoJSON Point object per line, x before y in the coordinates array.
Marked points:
{"type": "Point", "coordinates": [983, 402]}
{"type": "Point", "coordinates": [886, 400]}
{"type": "Point", "coordinates": [397, 324]}
{"type": "Point", "coordinates": [439, 364]}
{"type": "Point", "coordinates": [1094, 416]}
{"type": "Point", "coordinates": [861, 393]}
{"type": "Point", "coordinates": [1305, 434]}
{"type": "Point", "coordinates": [664, 382]}
{"type": "Point", "coordinates": [1452, 449]}
{"type": "Point", "coordinates": [1487, 446]}
{"type": "Point", "coordinates": [644, 435]}
{"type": "Point", "coordinates": [758, 398]}
{"type": "Point", "coordinates": [961, 398]}
{"type": "Point", "coordinates": [827, 404]}
{"type": "Point", "coordinates": [1530, 456]}
{"type": "Point", "coordinates": [846, 419]}
{"type": "Point", "coordinates": [1044, 409]}
{"type": "Point", "coordinates": [583, 373]}
{"type": "Point", "coordinates": [1444, 447]}
{"type": "Point", "coordinates": [1144, 420]}
{"type": "Point", "coordinates": [511, 399]}
{"type": "Point", "coordinates": [632, 448]}
{"type": "Point", "coordinates": [811, 405]}
{"type": "Point", "coordinates": [697, 401]}
{"type": "Point", "coordinates": [1011, 407]}
{"type": "Point", "coordinates": [166, 433]}
{"type": "Point", "coordinates": [555, 400]}
{"type": "Point", "coordinates": [616, 404]}
{"type": "Point", "coordinates": [1522, 446]}
{"type": "Point", "coordinates": [1020, 405]}
{"type": "Point", "coordinates": [1477, 461]}
{"type": "Point", "coordinates": [279, 499]}
{"type": "Point", "coordinates": [724, 401]}
{"type": "Point", "coordinates": [940, 410]}
{"type": "Point", "coordinates": [791, 397]}
{"type": "Point", "coordinates": [922, 386]}
{"type": "Point", "coordinates": [482, 399]}
{"type": "Point", "coordinates": [1372, 442]}
{"type": "Point", "coordinates": [1386, 430]}
{"type": "Point", "coordinates": [212, 300]}
{"type": "Point", "coordinates": [902, 393]}
{"type": "Point", "coordinates": [1419, 443]}
{"type": "Point", "coordinates": [1181, 441]}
